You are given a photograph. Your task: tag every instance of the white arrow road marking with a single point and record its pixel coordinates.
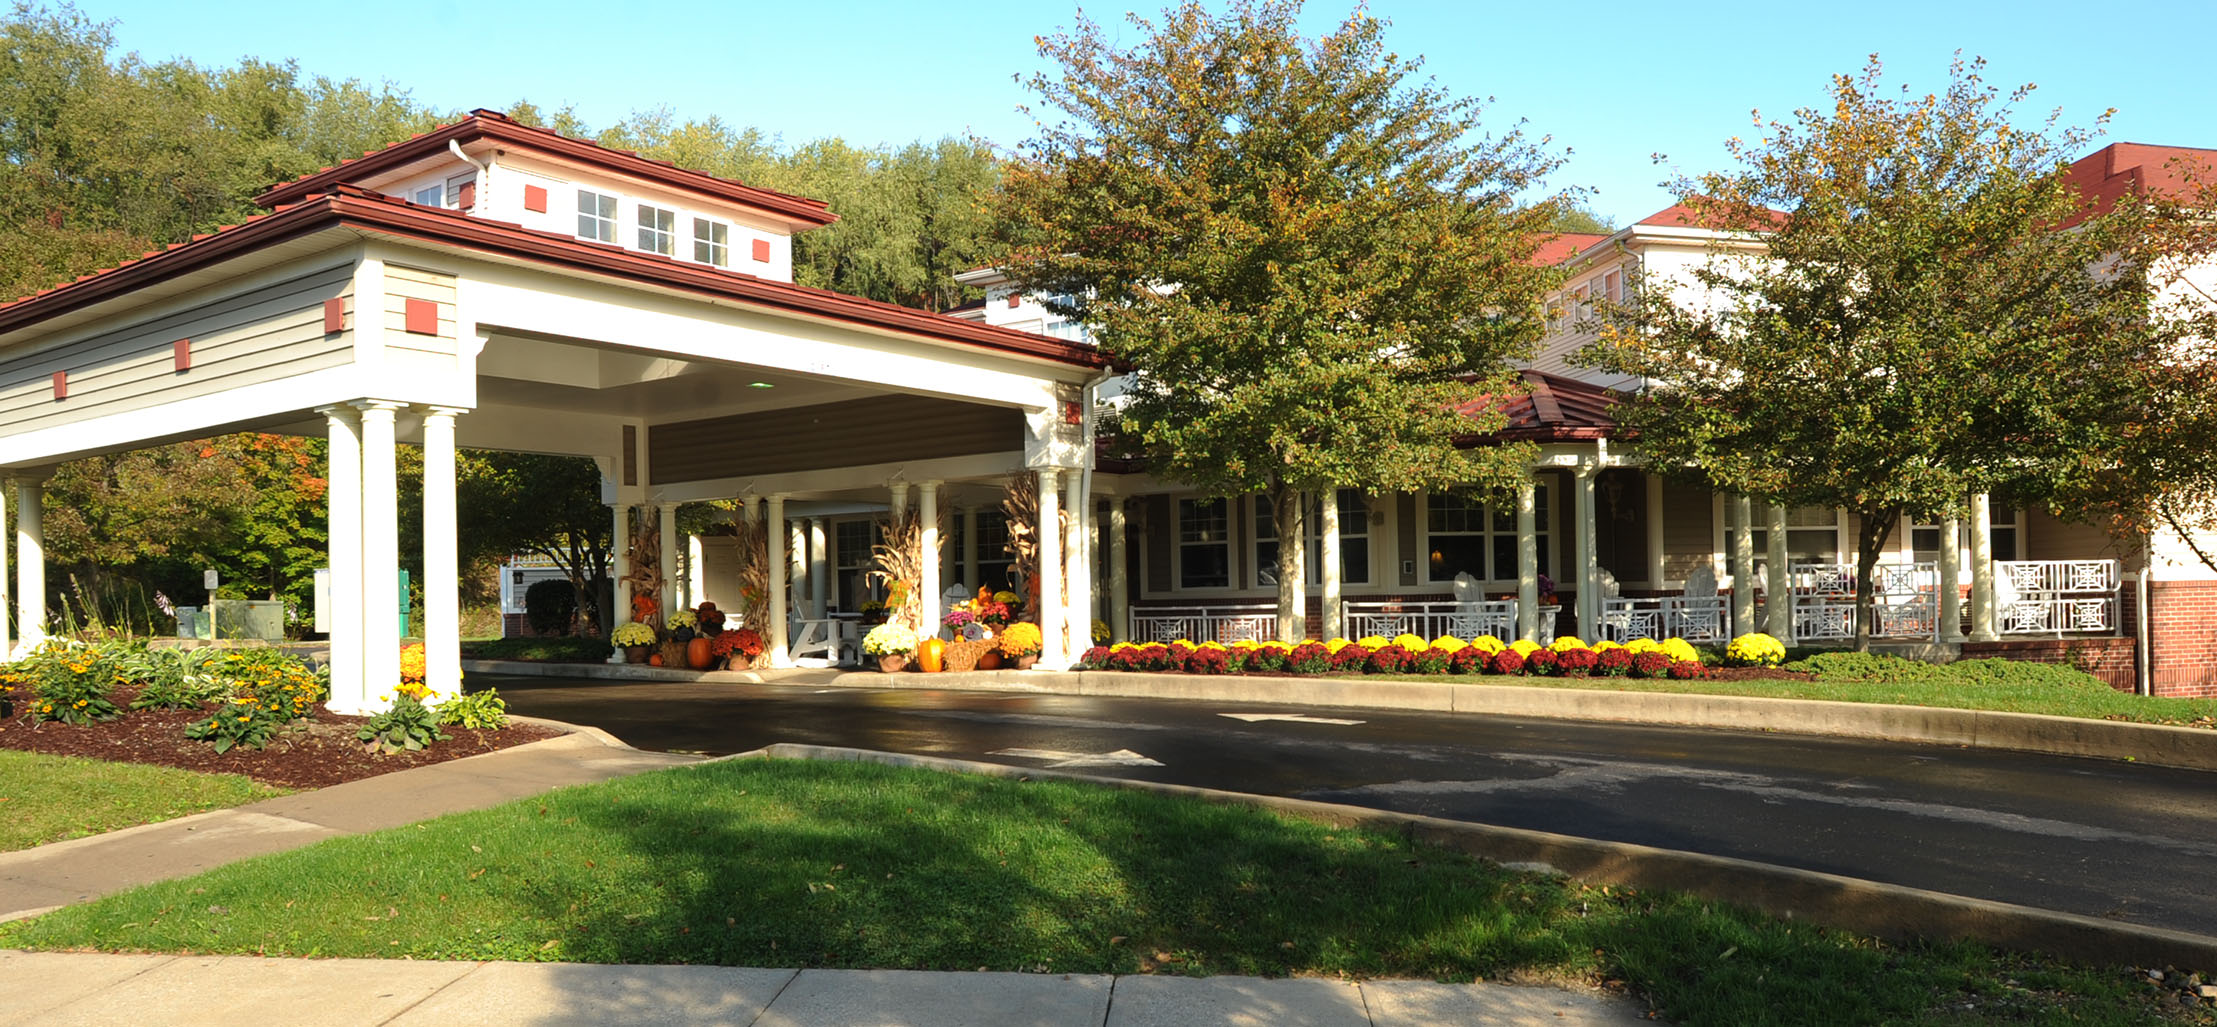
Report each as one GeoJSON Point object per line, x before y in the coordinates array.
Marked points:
{"type": "Point", "coordinates": [1058, 758]}
{"type": "Point", "coordinates": [1297, 718]}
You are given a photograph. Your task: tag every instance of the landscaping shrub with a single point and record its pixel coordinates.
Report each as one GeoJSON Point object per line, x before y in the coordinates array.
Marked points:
{"type": "Point", "coordinates": [1615, 662]}
{"type": "Point", "coordinates": [1270, 657]}
{"type": "Point", "coordinates": [541, 650]}
{"type": "Point", "coordinates": [1352, 656]}
{"type": "Point", "coordinates": [67, 682]}
{"type": "Point", "coordinates": [1755, 649]}
{"type": "Point", "coordinates": [1687, 670]}
{"type": "Point", "coordinates": [1390, 658]}
{"type": "Point", "coordinates": [1576, 661]}
{"type": "Point", "coordinates": [1094, 658]}
{"type": "Point", "coordinates": [1468, 660]}
{"type": "Point", "coordinates": [1651, 663]}
{"type": "Point", "coordinates": [407, 727]}
{"type": "Point", "coordinates": [1541, 662]}
{"type": "Point", "coordinates": [550, 606]}
{"type": "Point", "coordinates": [236, 723]}
{"type": "Point", "coordinates": [1309, 658]}
{"type": "Point", "coordinates": [1209, 660]}
{"type": "Point", "coordinates": [165, 683]}
{"type": "Point", "coordinates": [478, 711]}
{"type": "Point", "coordinates": [282, 684]}
{"type": "Point", "coordinates": [1433, 660]}
{"type": "Point", "coordinates": [1507, 661]}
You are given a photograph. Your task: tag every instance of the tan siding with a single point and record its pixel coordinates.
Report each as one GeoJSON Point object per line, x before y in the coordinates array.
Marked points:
{"type": "Point", "coordinates": [1404, 521]}
{"type": "Point", "coordinates": [405, 283]}
{"type": "Point", "coordinates": [849, 434]}
{"type": "Point", "coordinates": [1160, 528]}
{"type": "Point", "coordinates": [2049, 538]}
{"type": "Point", "coordinates": [269, 334]}
{"type": "Point", "coordinates": [1689, 530]}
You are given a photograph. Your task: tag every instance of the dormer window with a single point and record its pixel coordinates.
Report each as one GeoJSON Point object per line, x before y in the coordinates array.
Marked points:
{"type": "Point", "coordinates": [657, 230]}
{"type": "Point", "coordinates": [431, 196]}
{"type": "Point", "coordinates": [596, 216]}
{"type": "Point", "coordinates": [711, 242]}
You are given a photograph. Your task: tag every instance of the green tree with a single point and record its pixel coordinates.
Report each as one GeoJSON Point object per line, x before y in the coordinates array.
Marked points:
{"type": "Point", "coordinates": [512, 503]}
{"type": "Point", "coordinates": [1912, 328]}
{"type": "Point", "coordinates": [1580, 218]}
{"type": "Point", "coordinates": [1313, 256]}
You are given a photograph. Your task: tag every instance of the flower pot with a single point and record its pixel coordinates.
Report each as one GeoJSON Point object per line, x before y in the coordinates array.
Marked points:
{"type": "Point", "coordinates": [929, 653]}
{"type": "Point", "coordinates": [1025, 661]}
{"type": "Point", "coordinates": [892, 663]}
{"type": "Point", "coordinates": [739, 661]}
{"type": "Point", "coordinates": [989, 660]}
{"type": "Point", "coordinates": [637, 653]}
{"type": "Point", "coordinates": [699, 653]}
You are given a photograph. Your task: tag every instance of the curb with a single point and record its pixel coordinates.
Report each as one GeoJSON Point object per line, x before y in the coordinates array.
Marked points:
{"type": "Point", "coordinates": [588, 730]}
{"type": "Point", "coordinates": [608, 671]}
{"type": "Point", "coordinates": [2158, 744]}
{"type": "Point", "coordinates": [1887, 911]}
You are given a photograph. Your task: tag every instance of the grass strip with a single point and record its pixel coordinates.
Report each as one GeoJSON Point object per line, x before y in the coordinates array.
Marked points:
{"type": "Point", "coordinates": [52, 798]}
{"type": "Point", "coordinates": [796, 863]}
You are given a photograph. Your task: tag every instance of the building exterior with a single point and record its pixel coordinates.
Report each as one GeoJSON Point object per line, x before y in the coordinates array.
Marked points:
{"type": "Point", "coordinates": [494, 285]}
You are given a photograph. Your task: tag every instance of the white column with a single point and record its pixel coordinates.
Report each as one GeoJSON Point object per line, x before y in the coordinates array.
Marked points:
{"type": "Point", "coordinates": [380, 550]}
{"type": "Point", "coordinates": [619, 560]}
{"type": "Point", "coordinates": [927, 600]}
{"type": "Point", "coordinates": [1778, 619]}
{"type": "Point", "coordinates": [970, 548]}
{"type": "Point", "coordinates": [1077, 566]}
{"type": "Point", "coordinates": [1589, 559]}
{"type": "Point", "coordinates": [1951, 579]}
{"type": "Point", "coordinates": [350, 692]}
{"type": "Point", "coordinates": [696, 578]}
{"type": "Point", "coordinates": [1051, 610]}
{"type": "Point", "coordinates": [1655, 569]}
{"type": "Point", "coordinates": [1527, 559]}
{"type": "Point", "coordinates": [819, 568]}
{"type": "Point", "coordinates": [30, 561]}
{"type": "Point", "coordinates": [1327, 534]}
{"type": "Point", "coordinates": [1119, 575]}
{"type": "Point", "coordinates": [1982, 569]}
{"type": "Point", "coordinates": [1742, 564]}
{"type": "Point", "coordinates": [899, 490]}
{"type": "Point", "coordinates": [666, 519]}
{"type": "Point", "coordinates": [774, 632]}
{"type": "Point", "coordinates": [442, 573]}
{"type": "Point", "coordinates": [795, 532]}
{"type": "Point", "coordinates": [5, 646]}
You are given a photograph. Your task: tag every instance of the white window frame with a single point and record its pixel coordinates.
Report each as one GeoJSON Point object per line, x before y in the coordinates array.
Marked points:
{"type": "Point", "coordinates": [1759, 512]}
{"type": "Point", "coordinates": [843, 561]}
{"type": "Point", "coordinates": [1179, 543]}
{"type": "Point", "coordinates": [1353, 525]}
{"type": "Point", "coordinates": [1490, 521]}
{"type": "Point", "coordinates": [716, 243]}
{"type": "Point", "coordinates": [662, 228]}
{"type": "Point", "coordinates": [604, 227]}
{"type": "Point", "coordinates": [436, 192]}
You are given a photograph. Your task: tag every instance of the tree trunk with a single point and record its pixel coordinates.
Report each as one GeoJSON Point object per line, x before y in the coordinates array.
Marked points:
{"type": "Point", "coordinates": [1286, 512]}
{"type": "Point", "coordinates": [1870, 541]}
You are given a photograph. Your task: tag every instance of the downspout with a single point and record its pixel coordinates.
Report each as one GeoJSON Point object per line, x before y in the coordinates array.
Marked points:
{"type": "Point", "coordinates": [484, 172]}
{"type": "Point", "coordinates": [2144, 646]}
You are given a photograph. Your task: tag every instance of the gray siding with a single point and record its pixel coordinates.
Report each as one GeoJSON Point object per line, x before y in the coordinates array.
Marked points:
{"type": "Point", "coordinates": [1404, 520]}
{"type": "Point", "coordinates": [847, 434]}
{"type": "Point", "coordinates": [1159, 529]}
{"type": "Point", "coordinates": [1689, 531]}
{"type": "Point", "coordinates": [269, 334]}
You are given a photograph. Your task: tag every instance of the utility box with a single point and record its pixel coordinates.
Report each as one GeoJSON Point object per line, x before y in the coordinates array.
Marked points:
{"type": "Point", "coordinates": [404, 608]}
{"type": "Point", "coordinates": [323, 602]}
{"type": "Point", "coordinates": [248, 618]}
{"type": "Point", "coordinates": [193, 622]}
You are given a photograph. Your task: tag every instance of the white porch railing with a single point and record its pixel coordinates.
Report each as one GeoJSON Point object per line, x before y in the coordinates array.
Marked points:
{"type": "Point", "coordinates": [1693, 618]}
{"type": "Point", "coordinates": [1904, 600]}
{"type": "Point", "coordinates": [825, 642]}
{"type": "Point", "coordinates": [1496, 617]}
{"type": "Point", "coordinates": [1244, 622]}
{"type": "Point", "coordinates": [2056, 597]}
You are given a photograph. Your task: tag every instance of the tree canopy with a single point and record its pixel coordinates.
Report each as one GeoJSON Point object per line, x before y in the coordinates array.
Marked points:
{"type": "Point", "coordinates": [1898, 317]}
{"type": "Point", "coordinates": [1312, 254]}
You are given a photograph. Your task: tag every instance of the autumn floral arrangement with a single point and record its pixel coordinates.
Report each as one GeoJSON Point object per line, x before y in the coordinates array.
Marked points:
{"type": "Point", "coordinates": [741, 646]}
{"type": "Point", "coordinates": [1408, 654]}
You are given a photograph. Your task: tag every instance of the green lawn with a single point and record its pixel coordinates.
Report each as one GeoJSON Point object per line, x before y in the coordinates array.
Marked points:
{"type": "Point", "coordinates": [1999, 685]}
{"type": "Point", "coordinates": [49, 798]}
{"type": "Point", "coordinates": [792, 863]}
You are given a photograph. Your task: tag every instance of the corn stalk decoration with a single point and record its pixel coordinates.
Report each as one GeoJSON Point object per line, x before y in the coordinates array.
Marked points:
{"type": "Point", "coordinates": [1021, 507]}
{"type": "Point", "coordinates": [899, 556]}
{"type": "Point", "coordinates": [754, 573]}
{"type": "Point", "coordinates": [646, 568]}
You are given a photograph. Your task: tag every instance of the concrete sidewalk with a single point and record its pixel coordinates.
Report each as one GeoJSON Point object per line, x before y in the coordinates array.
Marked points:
{"type": "Point", "coordinates": [53, 875]}
{"type": "Point", "coordinates": [58, 989]}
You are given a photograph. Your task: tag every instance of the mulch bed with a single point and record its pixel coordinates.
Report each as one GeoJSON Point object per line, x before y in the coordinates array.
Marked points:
{"type": "Point", "coordinates": [310, 753]}
{"type": "Point", "coordinates": [1759, 674]}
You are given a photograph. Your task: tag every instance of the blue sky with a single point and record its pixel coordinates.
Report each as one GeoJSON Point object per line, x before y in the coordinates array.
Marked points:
{"type": "Point", "coordinates": [1615, 83]}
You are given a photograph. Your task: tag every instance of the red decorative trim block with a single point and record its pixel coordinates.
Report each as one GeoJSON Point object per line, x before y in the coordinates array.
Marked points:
{"type": "Point", "coordinates": [535, 198]}
{"type": "Point", "coordinates": [469, 196]}
{"type": "Point", "coordinates": [1015, 301]}
{"type": "Point", "coordinates": [423, 317]}
{"type": "Point", "coordinates": [181, 354]}
{"type": "Point", "coordinates": [762, 251]}
{"type": "Point", "coordinates": [334, 315]}
{"type": "Point", "coordinates": [61, 385]}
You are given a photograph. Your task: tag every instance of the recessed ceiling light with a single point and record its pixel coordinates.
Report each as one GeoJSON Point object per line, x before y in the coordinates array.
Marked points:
{"type": "Point", "coordinates": [760, 385]}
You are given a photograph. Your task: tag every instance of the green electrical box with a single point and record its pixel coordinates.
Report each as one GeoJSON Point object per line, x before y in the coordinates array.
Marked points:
{"type": "Point", "coordinates": [404, 603]}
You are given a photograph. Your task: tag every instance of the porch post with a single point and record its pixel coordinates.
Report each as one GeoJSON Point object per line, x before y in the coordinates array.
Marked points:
{"type": "Point", "coordinates": [1527, 559]}
{"type": "Point", "coordinates": [795, 533]}
{"type": "Point", "coordinates": [1589, 561]}
{"type": "Point", "coordinates": [343, 514]}
{"type": "Point", "coordinates": [899, 489]}
{"type": "Point", "coordinates": [30, 561]}
{"type": "Point", "coordinates": [819, 570]}
{"type": "Point", "coordinates": [1051, 610]}
{"type": "Point", "coordinates": [442, 575]}
{"type": "Point", "coordinates": [1077, 573]}
{"type": "Point", "coordinates": [1982, 568]}
{"type": "Point", "coordinates": [927, 512]}
{"type": "Point", "coordinates": [970, 548]}
{"type": "Point", "coordinates": [380, 549]}
{"type": "Point", "coordinates": [619, 545]}
{"type": "Point", "coordinates": [666, 519]}
{"type": "Point", "coordinates": [1120, 579]}
{"type": "Point", "coordinates": [1327, 536]}
{"type": "Point", "coordinates": [1655, 567]}
{"type": "Point", "coordinates": [1778, 614]}
{"type": "Point", "coordinates": [5, 646]}
{"type": "Point", "coordinates": [1743, 564]}
{"type": "Point", "coordinates": [773, 632]}
{"type": "Point", "coordinates": [1951, 573]}
{"type": "Point", "coordinates": [696, 576]}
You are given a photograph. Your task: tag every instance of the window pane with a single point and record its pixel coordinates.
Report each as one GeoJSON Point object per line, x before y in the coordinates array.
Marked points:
{"type": "Point", "coordinates": [1504, 516]}
{"type": "Point", "coordinates": [1813, 545]}
{"type": "Point", "coordinates": [1456, 554]}
{"type": "Point", "coordinates": [1205, 566]}
{"type": "Point", "coordinates": [2005, 542]}
{"type": "Point", "coordinates": [1266, 563]}
{"type": "Point", "coordinates": [1202, 520]}
{"type": "Point", "coordinates": [1354, 561]}
{"type": "Point", "coordinates": [1266, 525]}
{"type": "Point", "coordinates": [1504, 558]}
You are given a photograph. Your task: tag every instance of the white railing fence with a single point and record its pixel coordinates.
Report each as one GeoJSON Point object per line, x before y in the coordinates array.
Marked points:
{"type": "Point", "coordinates": [1227, 623]}
{"type": "Point", "coordinates": [1496, 617]}
{"type": "Point", "coordinates": [2056, 597]}
{"type": "Point", "coordinates": [824, 642]}
{"type": "Point", "coordinates": [1238, 622]}
{"type": "Point", "coordinates": [1693, 618]}
{"type": "Point", "coordinates": [1904, 600]}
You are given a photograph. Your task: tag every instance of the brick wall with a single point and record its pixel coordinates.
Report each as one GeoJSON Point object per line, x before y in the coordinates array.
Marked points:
{"type": "Point", "coordinates": [2110, 659]}
{"type": "Point", "coordinates": [2182, 624]}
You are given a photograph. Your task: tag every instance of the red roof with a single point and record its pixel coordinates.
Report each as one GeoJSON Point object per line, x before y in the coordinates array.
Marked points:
{"type": "Point", "coordinates": [353, 207]}
{"type": "Point", "coordinates": [1551, 409]}
{"type": "Point", "coordinates": [2110, 173]}
{"type": "Point", "coordinates": [1565, 246]}
{"type": "Point", "coordinates": [484, 124]}
{"type": "Point", "coordinates": [1679, 215]}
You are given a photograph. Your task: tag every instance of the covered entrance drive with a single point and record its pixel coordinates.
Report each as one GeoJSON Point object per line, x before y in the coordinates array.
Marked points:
{"type": "Point", "coordinates": [371, 321]}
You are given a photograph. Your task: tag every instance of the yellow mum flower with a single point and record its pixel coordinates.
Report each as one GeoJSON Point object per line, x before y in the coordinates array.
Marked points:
{"type": "Point", "coordinates": [1524, 647]}
{"type": "Point", "coordinates": [1275, 644]}
{"type": "Point", "coordinates": [1680, 650]}
{"type": "Point", "coordinates": [1449, 644]}
{"type": "Point", "coordinates": [1489, 643]}
{"type": "Point", "coordinates": [1121, 646]}
{"type": "Point", "coordinates": [1413, 643]}
{"type": "Point", "coordinates": [1211, 644]}
{"type": "Point", "coordinates": [1605, 645]}
{"type": "Point", "coordinates": [1566, 643]}
{"type": "Point", "coordinates": [1246, 643]}
{"type": "Point", "coordinates": [1642, 645]}
{"type": "Point", "coordinates": [1372, 641]}
{"type": "Point", "coordinates": [1337, 644]}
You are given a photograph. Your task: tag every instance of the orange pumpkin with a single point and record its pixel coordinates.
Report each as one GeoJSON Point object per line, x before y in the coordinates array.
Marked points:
{"type": "Point", "coordinates": [931, 655]}
{"type": "Point", "coordinates": [699, 652]}
{"type": "Point", "coordinates": [654, 660]}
